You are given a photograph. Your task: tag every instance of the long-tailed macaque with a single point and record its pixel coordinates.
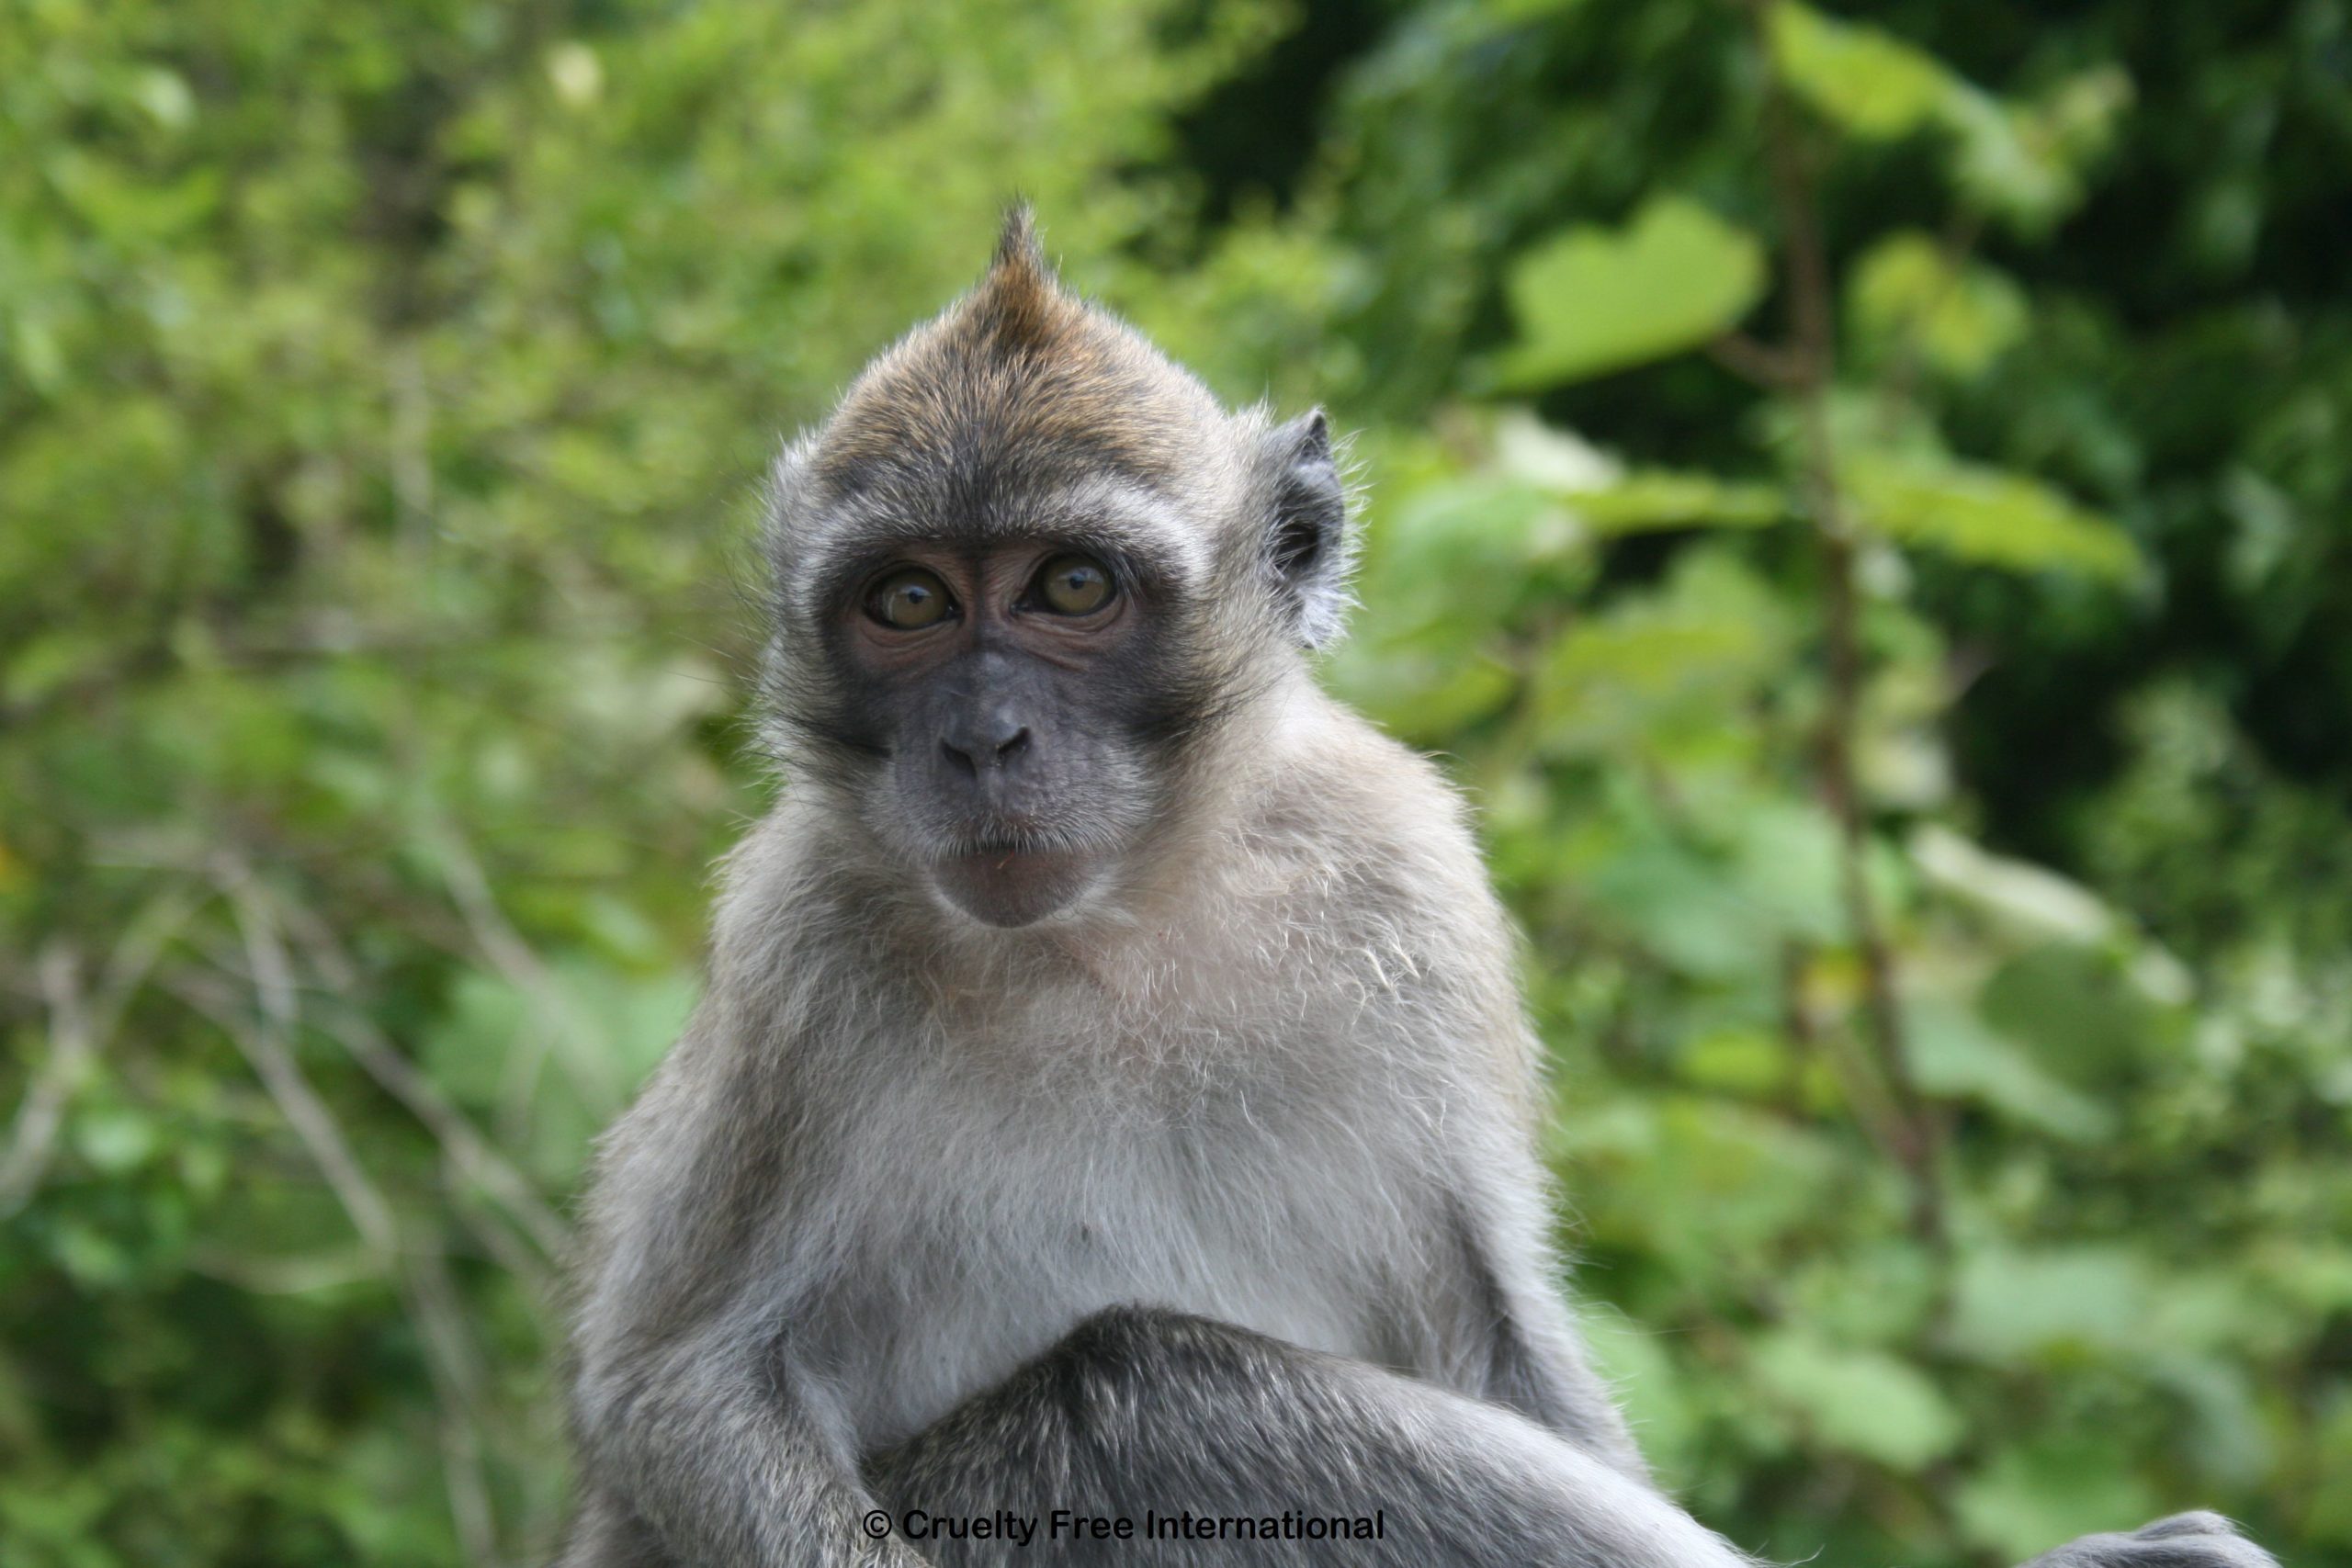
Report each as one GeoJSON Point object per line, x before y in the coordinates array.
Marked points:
{"type": "Point", "coordinates": [1111, 1098]}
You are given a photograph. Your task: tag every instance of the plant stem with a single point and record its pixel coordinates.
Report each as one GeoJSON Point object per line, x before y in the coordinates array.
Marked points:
{"type": "Point", "coordinates": [1810, 365]}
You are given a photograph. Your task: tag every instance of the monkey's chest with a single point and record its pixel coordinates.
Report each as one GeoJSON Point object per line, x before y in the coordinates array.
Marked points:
{"type": "Point", "coordinates": [969, 1267]}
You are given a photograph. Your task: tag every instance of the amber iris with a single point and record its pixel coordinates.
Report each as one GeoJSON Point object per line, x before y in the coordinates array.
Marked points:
{"type": "Point", "coordinates": [909, 600]}
{"type": "Point", "coordinates": [1074, 585]}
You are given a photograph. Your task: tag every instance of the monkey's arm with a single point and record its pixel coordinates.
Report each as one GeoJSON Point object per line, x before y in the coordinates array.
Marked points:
{"type": "Point", "coordinates": [1141, 1412]}
{"type": "Point", "coordinates": [698, 1425]}
{"type": "Point", "coordinates": [1538, 1369]}
{"type": "Point", "coordinates": [1532, 1358]}
{"type": "Point", "coordinates": [716, 1445]}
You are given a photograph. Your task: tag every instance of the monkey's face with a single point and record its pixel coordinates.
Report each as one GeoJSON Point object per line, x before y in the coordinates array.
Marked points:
{"type": "Point", "coordinates": [1012, 697]}
{"type": "Point", "coordinates": [1026, 574]}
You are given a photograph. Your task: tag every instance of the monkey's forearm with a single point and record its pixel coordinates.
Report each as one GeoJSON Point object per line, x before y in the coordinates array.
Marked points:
{"type": "Point", "coordinates": [1537, 1368]}
{"type": "Point", "coordinates": [1140, 1413]}
{"type": "Point", "coordinates": [726, 1469]}
{"type": "Point", "coordinates": [1534, 1359]}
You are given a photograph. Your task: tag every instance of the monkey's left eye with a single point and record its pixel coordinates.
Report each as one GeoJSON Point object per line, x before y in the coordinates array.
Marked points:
{"type": "Point", "coordinates": [909, 600]}
{"type": "Point", "coordinates": [1074, 585]}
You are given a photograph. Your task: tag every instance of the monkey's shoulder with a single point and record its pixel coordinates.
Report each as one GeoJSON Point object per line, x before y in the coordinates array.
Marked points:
{"type": "Point", "coordinates": [1382, 821]}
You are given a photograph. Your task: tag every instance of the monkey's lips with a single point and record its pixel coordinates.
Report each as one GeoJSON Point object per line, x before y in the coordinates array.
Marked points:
{"type": "Point", "coordinates": [1013, 885]}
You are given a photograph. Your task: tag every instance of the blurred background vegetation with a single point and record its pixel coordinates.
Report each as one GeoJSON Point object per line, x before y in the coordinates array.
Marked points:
{"type": "Point", "coordinates": [1862, 497]}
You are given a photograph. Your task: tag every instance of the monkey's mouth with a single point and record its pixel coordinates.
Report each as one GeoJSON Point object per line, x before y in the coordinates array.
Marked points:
{"type": "Point", "coordinates": [1013, 884]}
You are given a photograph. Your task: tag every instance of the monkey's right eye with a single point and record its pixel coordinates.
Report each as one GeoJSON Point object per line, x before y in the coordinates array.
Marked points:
{"type": "Point", "coordinates": [909, 600]}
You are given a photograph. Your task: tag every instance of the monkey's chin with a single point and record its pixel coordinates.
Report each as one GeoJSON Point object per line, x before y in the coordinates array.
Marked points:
{"type": "Point", "coordinates": [1015, 887]}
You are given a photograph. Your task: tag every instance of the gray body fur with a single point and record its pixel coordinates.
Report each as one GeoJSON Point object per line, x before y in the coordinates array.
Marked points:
{"type": "Point", "coordinates": [1216, 1192]}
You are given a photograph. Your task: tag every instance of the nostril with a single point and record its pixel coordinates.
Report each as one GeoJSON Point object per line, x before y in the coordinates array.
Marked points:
{"type": "Point", "coordinates": [1019, 743]}
{"type": "Point", "coordinates": [960, 758]}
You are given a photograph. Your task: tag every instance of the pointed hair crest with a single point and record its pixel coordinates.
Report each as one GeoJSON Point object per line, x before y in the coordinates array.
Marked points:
{"type": "Point", "coordinates": [1020, 305]}
{"type": "Point", "coordinates": [1025, 366]}
{"type": "Point", "coordinates": [1016, 243]}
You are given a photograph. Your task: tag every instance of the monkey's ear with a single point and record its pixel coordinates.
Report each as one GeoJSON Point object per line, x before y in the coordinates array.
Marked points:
{"type": "Point", "coordinates": [780, 509]}
{"type": "Point", "coordinates": [1309, 544]}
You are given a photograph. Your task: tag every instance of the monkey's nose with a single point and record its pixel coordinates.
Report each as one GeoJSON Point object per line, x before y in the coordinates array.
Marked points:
{"type": "Point", "coordinates": [984, 746]}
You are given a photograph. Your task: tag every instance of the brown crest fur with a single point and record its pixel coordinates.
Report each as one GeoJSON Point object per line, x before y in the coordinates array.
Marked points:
{"type": "Point", "coordinates": [1017, 370]}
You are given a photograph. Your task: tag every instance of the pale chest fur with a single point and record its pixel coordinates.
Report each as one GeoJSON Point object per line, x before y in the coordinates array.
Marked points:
{"type": "Point", "coordinates": [998, 1181]}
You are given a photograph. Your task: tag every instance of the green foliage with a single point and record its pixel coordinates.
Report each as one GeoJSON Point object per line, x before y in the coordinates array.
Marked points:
{"type": "Point", "coordinates": [1872, 84]}
{"type": "Point", "coordinates": [381, 393]}
{"type": "Point", "coordinates": [1591, 301]}
{"type": "Point", "coordinates": [1908, 295]}
{"type": "Point", "coordinates": [1982, 516]}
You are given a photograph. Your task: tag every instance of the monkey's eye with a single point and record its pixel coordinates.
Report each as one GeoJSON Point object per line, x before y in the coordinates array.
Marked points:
{"type": "Point", "coordinates": [1074, 585]}
{"type": "Point", "coordinates": [909, 600]}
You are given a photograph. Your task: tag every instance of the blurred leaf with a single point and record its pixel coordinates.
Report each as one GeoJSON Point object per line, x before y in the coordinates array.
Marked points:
{"type": "Point", "coordinates": [1865, 80]}
{"type": "Point", "coordinates": [1657, 666]}
{"type": "Point", "coordinates": [2038, 1494]}
{"type": "Point", "coordinates": [2083, 1015]}
{"type": "Point", "coordinates": [2026, 163]}
{"type": "Point", "coordinates": [1984, 516]}
{"type": "Point", "coordinates": [1604, 500]}
{"type": "Point", "coordinates": [2022, 161]}
{"type": "Point", "coordinates": [1906, 291]}
{"type": "Point", "coordinates": [1956, 1055]}
{"type": "Point", "coordinates": [2010, 1304]}
{"type": "Point", "coordinates": [1739, 1062]}
{"type": "Point", "coordinates": [1689, 1177]}
{"type": "Point", "coordinates": [1861, 1402]}
{"type": "Point", "coordinates": [1635, 1362]}
{"type": "Point", "coordinates": [2029, 899]}
{"type": "Point", "coordinates": [115, 1139]}
{"type": "Point", "coordinates": [1679, 906]}
{"type": "Point", "coordinates": [1590, 300]}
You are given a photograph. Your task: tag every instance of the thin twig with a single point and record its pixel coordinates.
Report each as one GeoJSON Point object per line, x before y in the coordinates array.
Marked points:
{"type": "Point", "coordinates": [1766, 365]}
{"type": "Point", "coordinates": [590, 1073]}
{"type": "Point", "coordinates": [423, 1279]}
{"type": "Point", "coordinates": [73, 1044]}
{"type": "Point", "coordinates": [467, 1150]}
{"type": "Point", "coordinates": [467, 1155]}
{"type": "Point", "coordinates": [1811, 357]}
{"type": "Point", "coordinates": [80, 1028]}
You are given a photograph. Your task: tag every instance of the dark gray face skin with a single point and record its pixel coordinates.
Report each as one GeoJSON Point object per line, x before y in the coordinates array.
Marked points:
{"type": "Point", "coordinates": [1010, 753]}
{"type": "Point", "coordinates": [1013, 699]}
{"type": "Point", "coordinates": [1006, 740]}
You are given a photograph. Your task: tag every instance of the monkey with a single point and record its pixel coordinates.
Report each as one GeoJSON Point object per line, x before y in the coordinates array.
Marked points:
{"type": "Point", "coordinates": [1110, 1096]}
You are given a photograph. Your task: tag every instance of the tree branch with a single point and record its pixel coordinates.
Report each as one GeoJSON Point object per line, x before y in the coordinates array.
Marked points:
{"type": "Point", "coordinates": [1811, 359]}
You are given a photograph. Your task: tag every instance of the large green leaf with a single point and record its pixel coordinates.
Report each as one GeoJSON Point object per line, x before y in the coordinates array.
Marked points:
{"type": "Point", "coordinates": [1657, 669]}
{"type": "Point", "coordinates": [1871, 83]}
{"type": "Point", "coordinates": [1985, 515]}
{"type": "Point", "coordinates": [1955, 1053]}
{"type": "Point", "coordinates": [2023, 162]}
{"type": "Point", "coordinates": [2045, 1491]}
{"type": "Point", "coordinates": [1590, 300]}
{"type": "Point", "coordinates": [1605, 498]}
{"type": "Point", "coordinates": [2028, 899]}
{"type": "Point", "coordinates": [1906, 293]}
{"type": "Point", "coordinates": [1862, 1401]}
{"type": "Point", "coordinates": [2010, 1304]}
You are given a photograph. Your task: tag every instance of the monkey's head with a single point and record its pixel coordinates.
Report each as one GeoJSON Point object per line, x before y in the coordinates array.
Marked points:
{"type": "Point", "coordinates": [1025, 575]}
